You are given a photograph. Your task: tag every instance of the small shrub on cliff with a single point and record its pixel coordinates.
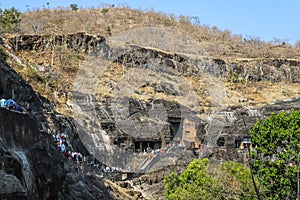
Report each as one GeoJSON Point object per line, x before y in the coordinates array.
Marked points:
{"type": "Point", "coordinates": [235, 77]}
{"type": "Point", "coordinates": [166, 22]}
{"type": "Point", "coordinates": [35, 76]}
{"type": "Point", "coordinates": [104, 11]}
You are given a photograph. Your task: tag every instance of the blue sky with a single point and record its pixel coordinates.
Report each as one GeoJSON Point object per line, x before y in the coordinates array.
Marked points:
{"type": "Point", "coordinates": [265, 19]}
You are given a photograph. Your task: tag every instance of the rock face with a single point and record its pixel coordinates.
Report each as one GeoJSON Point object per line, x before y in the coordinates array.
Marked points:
{"type": "Point", "coordinates": [31, 167]}
{"type": "Point", "coordinates": [11, 187]}
{"type": "Point", "coordinates": [232, 128]}
{"type": "Point", "coordinates": [13, 86]}
{"type": "Point", "coordinates": [123, 125]}
{"type": "Point", "coordinates": [80, 42]}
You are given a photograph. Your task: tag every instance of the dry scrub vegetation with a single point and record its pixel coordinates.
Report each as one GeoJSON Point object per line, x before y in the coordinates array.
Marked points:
{"type": "Point", "coordinates": [110, 20]}
{"type": "Point", "coordinates": [60, 66]}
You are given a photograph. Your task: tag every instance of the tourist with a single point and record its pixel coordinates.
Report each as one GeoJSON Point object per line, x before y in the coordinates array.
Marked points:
{"type": "Point", "coordinates": [63, 137]}
{"type": "Point", "coordinates": [63, 148]}
{"type": "Point", "coordinates": [67, 154]}
{"type": "Point", "coordinates": [10, 103]}
{"type": "Point", "coordinates": [2, 102]}
{"type": "Point", "coordinates": [19, 108]}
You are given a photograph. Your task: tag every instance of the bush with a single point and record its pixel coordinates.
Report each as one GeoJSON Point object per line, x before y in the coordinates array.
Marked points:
{"type": "Point", "coordinates": [74, 7]}
{"type": "Point", "coordinates": [204, 181]}
{"type": "Point", "coordinates": [10, 20]}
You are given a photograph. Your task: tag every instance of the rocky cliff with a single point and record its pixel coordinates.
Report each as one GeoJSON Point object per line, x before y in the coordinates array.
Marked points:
{"type": "Point", "coordinates": [122, 99]}
{"type": "Point", "coordinates": [31, 165]}
{"type": "Point", "coordinates": [33, 168]}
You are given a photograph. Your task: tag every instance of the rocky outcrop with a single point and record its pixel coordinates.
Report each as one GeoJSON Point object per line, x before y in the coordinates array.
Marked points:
{"type": "Point", "coordinates": [11, 187]}
{"type": "Point", "coordinates": [31, 166]}
{"type": "Point", "coordinates": [13, 86]}
{"type": "Point", "coordinates": [80, 42]}
{"type": "Point", "coordinates": [26, 157]}
{"type": "Point", "coordinates": [281, 106]}
{"type": "Point", "coordinates": [223, 137]}
{"type": "Point", "coordinates": [273, 70]}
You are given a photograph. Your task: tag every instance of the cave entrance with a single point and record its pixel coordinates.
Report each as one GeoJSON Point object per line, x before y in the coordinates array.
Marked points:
{"type": "Point", "coordinates": [142, 146]}
{"type": "Point", "coordinates": [175, 127]}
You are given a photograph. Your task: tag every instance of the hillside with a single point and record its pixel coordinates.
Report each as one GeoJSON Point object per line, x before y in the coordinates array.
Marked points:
{"type": "Point", "coordinates": [109, 21]}
{"type": "Point", "coordinates": [186, 37]}
{"type": "Point", "coordinates": [118, 80]}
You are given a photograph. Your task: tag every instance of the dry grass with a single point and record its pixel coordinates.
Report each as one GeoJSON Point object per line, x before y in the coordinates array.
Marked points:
{"type": "Point", "coordinates": [167, 34]}
{"type": "Point", "coordinates": [111, 21]}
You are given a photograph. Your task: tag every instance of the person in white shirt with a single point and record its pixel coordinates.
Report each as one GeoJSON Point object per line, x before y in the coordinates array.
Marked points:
{"type": "Point", "coordinates": [63, 148]}
{"type": "Point", "coordinates": [2, 101]}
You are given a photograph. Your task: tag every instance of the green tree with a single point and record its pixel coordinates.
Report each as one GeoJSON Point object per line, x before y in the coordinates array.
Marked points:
{"type": "Point", "coordinates": [236, 181]}
{"type": "Point", "coordinates": [204, 181]}
{"type": "Point", "coordinates": [10, 20]}
{"type": "Point", "coordinates": [74, 7]}
{"type": "Point", "coordinates": [193, 183]}
{"type": "Point", "coordinates": [276, 156]}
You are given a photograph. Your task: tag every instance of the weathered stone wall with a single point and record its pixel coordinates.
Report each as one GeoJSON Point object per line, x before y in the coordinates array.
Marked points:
{"type": "Point", "coordinates": [80, 42]}
{"type": "Point", "coordinates": [271, 70]}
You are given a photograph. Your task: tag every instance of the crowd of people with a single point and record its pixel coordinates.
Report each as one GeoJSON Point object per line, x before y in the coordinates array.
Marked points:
{"type": "Point", "coordinates": [10, 104]}
{"type": "Point", "coordinates": [61, 143]}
